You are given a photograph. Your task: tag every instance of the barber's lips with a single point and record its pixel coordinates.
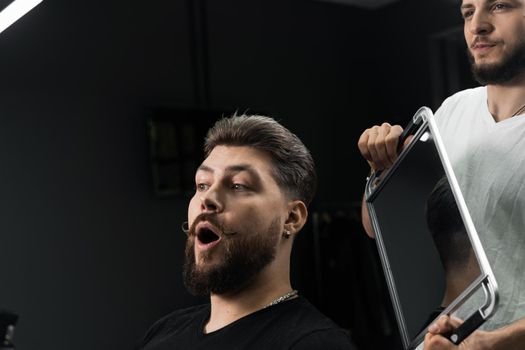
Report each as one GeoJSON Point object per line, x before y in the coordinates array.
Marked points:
{"type": "Point", "coordinates": [207, 236]}
{"type": "Point", "coordinates": [483, 47]}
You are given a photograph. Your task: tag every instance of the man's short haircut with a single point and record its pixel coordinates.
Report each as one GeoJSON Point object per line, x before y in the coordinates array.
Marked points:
{"type": "Point", "coordinates": [294, 168]}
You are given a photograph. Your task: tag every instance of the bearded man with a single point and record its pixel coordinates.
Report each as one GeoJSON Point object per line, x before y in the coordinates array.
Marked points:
{"type": "Point", "coordinates": [250, 202]}
{"type": "Point", "coordinates": [483, 130]}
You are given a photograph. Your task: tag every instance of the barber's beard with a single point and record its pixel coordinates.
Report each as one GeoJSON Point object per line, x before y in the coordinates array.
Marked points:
{"type": "Point", "coordinates": [511, 65]}
{"type": "Point", "coordinates": [244, 255]}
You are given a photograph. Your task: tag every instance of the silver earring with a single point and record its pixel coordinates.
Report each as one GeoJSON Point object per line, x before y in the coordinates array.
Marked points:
{"type": "Point", "coordinates": [287, 234]}
{"type": "Point", "coordinates": [185, 228]}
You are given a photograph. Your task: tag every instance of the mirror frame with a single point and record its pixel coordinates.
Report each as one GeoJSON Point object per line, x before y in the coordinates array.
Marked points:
{"type": "Point", "coordinates": [423, 122]}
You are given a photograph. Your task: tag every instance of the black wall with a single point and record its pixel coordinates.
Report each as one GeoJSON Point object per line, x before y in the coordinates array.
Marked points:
{"type": "Point", "coordinates": [89, 256]}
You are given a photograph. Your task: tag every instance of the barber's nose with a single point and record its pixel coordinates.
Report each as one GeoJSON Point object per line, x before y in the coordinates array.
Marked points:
{"type": "Point", "coordinates": [211, 202]}
{"type": "Point", "coordinates": [480, 24]}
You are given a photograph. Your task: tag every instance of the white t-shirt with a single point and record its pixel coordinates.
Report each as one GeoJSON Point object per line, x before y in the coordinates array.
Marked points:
{"type": "Point", "coordinates": [488, 159]}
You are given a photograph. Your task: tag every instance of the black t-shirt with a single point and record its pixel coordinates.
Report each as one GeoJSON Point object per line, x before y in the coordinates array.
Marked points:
{"type": "Point", "coordinates": [294, 324]}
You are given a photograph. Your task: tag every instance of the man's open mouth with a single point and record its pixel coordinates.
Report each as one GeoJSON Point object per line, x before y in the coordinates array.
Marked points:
{"type": "Point", "coordinates": [206, 236]}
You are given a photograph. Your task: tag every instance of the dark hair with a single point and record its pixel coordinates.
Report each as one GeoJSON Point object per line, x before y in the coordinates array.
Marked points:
{"type": "Point", "coordinates": [294, 168]}
{"type": "Point", "coordinates": [446, 226]}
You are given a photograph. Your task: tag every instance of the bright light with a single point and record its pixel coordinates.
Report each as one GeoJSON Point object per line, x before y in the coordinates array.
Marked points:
{"type": "Point", "coordinates": [14, 11]}
{"type": "Point", "coordinates": [425, 137]}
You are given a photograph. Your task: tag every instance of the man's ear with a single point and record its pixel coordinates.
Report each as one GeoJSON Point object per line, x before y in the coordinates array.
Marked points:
{"type": "Point", "coordinates": [297, 215]}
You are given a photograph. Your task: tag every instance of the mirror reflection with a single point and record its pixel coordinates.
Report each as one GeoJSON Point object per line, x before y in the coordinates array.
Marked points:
{"type": "Point", "coordinates": [450, 236]}
{"type": "Point", "coordinates": [429, 251]}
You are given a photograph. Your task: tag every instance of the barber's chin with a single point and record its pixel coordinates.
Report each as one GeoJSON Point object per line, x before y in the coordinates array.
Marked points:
{"type": "Point", "coordinates": [484, 63]}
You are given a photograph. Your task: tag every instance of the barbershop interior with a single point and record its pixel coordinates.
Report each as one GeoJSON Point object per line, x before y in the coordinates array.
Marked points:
{"type": "Point", "coordinates": [104, 106]}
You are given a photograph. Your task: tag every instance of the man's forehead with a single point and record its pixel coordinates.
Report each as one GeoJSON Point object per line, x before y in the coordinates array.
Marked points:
{"type": "Point", "coordinates": [464, 3]}
{"type": "Point", "coordinates": [236, 159]}
{"type": "Point", "coordinates": [232, 168]}
{"type": "Point", "coordinates": [468, 3]}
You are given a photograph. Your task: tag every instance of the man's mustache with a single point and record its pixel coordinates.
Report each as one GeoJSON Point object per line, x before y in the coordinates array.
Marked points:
{"type": "Point", "coordinates": [212, 219]}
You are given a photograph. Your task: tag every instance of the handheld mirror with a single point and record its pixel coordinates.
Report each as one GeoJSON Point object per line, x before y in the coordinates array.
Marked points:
{"type": "Point", "coordinates": [432, 258]}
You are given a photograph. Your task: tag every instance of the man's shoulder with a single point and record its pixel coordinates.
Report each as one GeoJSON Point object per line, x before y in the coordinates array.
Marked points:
{"type": "Point", "coordinates": [307, 313]}
{"type": "Point", "coordinates": [465, 96]}
{"type": "Point", "coordinates": [309, 328]}
{"type": "Point", "coordinates": [176, 321]}
{"type": "Point", "coordinates": [462, 103]}
{"type": "Point", "coordinates": [183, 315]}
{"type": "Point", "coordinates": [329, 339]}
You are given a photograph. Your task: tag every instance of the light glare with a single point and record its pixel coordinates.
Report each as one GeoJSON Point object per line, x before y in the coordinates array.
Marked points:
{"type": "Point", "coordinates": [14, 11]}
{"type": "Point", "coordinates": [425, 137]}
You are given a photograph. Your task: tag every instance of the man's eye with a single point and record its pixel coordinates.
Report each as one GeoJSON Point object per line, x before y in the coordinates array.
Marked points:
{"type": "Point", "coordinates": [201, 187]}
{"type": "Point", "coordinates": [239, 187]}
{"type": "Point", "coordinates": [500, 6]}
{"type": "Point", "coordinates": [467, 14]}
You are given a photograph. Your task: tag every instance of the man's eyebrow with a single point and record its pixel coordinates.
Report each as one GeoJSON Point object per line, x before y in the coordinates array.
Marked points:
{"type": "Point", "coordinates": [487, 3]}
{"type": "Point", "coordinates": [205, 168]}
{"type": "Point", "coordinates": [466, 6]}
{"type": "Point", "coordinates": [237, 168]}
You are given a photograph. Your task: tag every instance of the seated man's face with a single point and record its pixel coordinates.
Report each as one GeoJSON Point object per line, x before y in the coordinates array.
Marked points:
{"type": "Point", "coordinates": [236, 218]}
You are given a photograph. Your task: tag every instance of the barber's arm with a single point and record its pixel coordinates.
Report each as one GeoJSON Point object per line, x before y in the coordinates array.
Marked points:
{"type": "Point", "coordinates": [378, 145]}
{"type": "Point", "coordinates": [511, 337]}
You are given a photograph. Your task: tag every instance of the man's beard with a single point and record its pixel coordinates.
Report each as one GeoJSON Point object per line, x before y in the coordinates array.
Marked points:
{"type": "Point", "coordinates": [244, 256]}
{"type": "Point", "coordinates": [502, 72]}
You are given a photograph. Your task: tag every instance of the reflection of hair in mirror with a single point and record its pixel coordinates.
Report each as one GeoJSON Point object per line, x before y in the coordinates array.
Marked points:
{"type": "Point", "coordinates": [452, 241]}
{"type": "Point", "coordinates": [446, 226]}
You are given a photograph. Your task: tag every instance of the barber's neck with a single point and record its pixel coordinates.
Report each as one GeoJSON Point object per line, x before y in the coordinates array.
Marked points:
{"type": "Point", "coordinates": [268, 285]}
{"type": "Point", "coordinates": [504, 100]}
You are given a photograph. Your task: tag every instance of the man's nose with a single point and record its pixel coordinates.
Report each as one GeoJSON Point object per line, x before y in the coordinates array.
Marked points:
{"type": "Point", "coordinates": [211, 200]}
{"type": "Point", "coordinates": [480, 23]}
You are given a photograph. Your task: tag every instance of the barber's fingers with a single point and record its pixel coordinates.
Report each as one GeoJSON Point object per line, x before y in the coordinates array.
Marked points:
{"type": "Point", "coordinates": [438, 342]}
{"type": "Point", "coordinates": [362, 144]}
{"type": "Point", "coordinates": [373, 149]}
{"type": "Point", "coordinates": [378, 145]}
{"type": "Point", "coordinates": [435, 338]}
{"type": "Point", "coordinates": [374, 146]}
{"type": "Point", "coordinates": [392, 141]}
{"type": "Point", "coordinates": [444, 324]}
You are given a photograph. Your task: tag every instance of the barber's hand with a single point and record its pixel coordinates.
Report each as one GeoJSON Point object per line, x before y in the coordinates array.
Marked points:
{"type": "Point", "coordinates": [378, 145]}
{"type": "Point", "coordinates": [434, 340]}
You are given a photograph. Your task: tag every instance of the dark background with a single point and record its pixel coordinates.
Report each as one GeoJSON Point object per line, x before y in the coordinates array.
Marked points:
{"type": "Point", "coordinates": [90, 255]}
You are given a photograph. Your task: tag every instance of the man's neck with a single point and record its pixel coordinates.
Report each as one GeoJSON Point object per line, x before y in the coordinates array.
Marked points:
{"type": "Point", "coordinates": [456, 283]}
{"type": "Point", "coordinates": [228, 308]}
{"type": "Point", "coordinates": [506, 99]}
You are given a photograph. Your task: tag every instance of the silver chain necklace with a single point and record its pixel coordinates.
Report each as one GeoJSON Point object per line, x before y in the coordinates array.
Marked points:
{"type": "Point", "coordinates": [518, 111]}
{"type": "Point", "coordinates": [285, 297]}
